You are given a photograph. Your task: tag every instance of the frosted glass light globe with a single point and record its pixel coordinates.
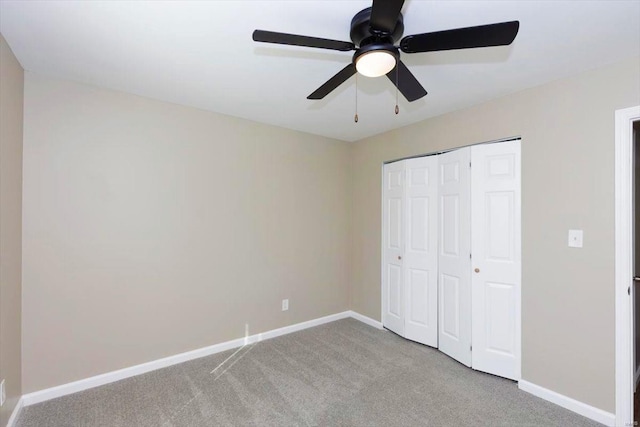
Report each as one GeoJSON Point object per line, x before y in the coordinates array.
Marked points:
{"type": "Point", "coordinates": [375, 63]}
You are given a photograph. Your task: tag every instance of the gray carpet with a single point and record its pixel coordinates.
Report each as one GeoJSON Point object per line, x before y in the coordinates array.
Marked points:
{"type": "Point", "coordinates": [343, 373]}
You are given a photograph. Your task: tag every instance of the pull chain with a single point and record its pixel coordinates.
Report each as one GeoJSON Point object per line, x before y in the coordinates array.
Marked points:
{"type": "Point", "coordinates": [397, 83]}
{"type": "Point", "coordinates": [355, 118]}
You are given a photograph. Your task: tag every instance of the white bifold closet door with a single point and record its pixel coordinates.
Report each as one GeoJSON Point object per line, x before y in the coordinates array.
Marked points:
{"type": "Point", "coordinates": [454, 250]}
{"type": "Point", "coordinates": [495, 236]}
{"type": "Point", "coordinates": [410, 259]}
{"type": "Point", "coordinates": [451, 254]}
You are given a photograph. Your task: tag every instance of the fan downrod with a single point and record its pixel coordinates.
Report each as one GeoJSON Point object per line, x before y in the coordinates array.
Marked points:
{"type": "Point", "coordinates": [362, 34]}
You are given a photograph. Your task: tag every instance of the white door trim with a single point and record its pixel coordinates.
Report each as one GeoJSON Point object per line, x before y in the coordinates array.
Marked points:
{"type": "Point", "coordinates": [623, 263]}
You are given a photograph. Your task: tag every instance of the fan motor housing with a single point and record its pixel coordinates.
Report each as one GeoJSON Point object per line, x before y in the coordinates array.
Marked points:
{"type": "Point", "coordinates": [361, 34]}
{"type": "Point", "coordinates": [389, 48]}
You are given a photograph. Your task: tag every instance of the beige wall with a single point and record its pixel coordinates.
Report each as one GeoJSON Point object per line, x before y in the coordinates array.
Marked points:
{"type": "Point", "coordinates": [11, 106]}
{"type": "Point", "coordinates": [151, 229]}
{"type": "Point", "coordinates": [567, 130]}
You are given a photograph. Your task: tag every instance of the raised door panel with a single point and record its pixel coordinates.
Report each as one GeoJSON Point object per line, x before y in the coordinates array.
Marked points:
{"type": "Point", "coordinates": [499, 323]}
{"type": "Point", "coordinates": [418, 225]}
{"type": "Point", "coordinates": [450, 236]}
{"type": "Point", "coordinates": [499, 224]}
{"type": "Point", "coordinates": [394, 294]}
{"type": "Point", "coordinates": [418, 296]}
{"type": "Point", "coordinates": [394, 230]}
{"type": "Point", "coordinates": [451, 306]}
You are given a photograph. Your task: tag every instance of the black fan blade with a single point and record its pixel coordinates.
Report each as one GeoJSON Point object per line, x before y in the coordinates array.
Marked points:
{"type": "Point", "coordinates": [333, 82]}
{"type": "Point", "coordinates": [406, 82]}
{"type": "Point", "coordinates": [462, 38]}
{"type": "Point", "coordinates": [295, 40]}
{"type": "Point", "coordinates": [384, 14]}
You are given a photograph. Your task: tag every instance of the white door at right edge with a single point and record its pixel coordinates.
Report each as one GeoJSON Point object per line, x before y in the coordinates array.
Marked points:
{"type": "Point", "coordinates": [454, 250]}
{"type": "Point", "coordinates": [495, 280]}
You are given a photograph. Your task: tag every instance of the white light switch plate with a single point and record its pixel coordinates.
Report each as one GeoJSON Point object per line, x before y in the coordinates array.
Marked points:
{"type": "Point", "coordinates": [575, 238]}
{"type": "Point", "coordinates": [285, 304]}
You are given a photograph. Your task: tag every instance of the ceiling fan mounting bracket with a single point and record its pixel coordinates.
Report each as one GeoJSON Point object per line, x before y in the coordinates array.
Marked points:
{"type": "Point", "coordinates": [362, 33]}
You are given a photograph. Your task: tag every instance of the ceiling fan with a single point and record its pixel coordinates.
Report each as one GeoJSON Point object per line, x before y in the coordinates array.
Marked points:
{"type": "Point", "coordinates": [374, 32]}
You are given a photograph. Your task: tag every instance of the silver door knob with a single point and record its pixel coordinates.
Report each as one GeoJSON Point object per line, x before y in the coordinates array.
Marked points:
{"type": "Point", "coordinates": [477, 270]}
{"type": "Point", "coordinates": [399, 257]}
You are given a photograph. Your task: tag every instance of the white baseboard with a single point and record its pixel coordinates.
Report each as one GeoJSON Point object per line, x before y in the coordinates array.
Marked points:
{"type": "Point", "coordinates": [588, 411]}
{"type": "Point", "coordinates": [16, 413]}
{"type": "Point", "coordinates": [566, 402]}
{"type": "Point", "coordinates": [109, 377]}
{"type": "Point", "coordinates": [364, 319]}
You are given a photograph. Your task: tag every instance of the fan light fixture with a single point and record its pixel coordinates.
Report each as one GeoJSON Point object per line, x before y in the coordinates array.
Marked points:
{"type": "Point", "coordinates": [375, 63]}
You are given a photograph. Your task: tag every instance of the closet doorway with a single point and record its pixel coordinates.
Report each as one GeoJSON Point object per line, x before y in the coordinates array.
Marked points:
{"type": "Point", "coordinates": [451, 254]}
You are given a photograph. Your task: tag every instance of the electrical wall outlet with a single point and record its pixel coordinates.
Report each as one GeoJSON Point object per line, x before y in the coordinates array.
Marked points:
{"type": "Point", "coordinates": [3, 394]}
{"type": "Point", "coordinates": [285, 304]}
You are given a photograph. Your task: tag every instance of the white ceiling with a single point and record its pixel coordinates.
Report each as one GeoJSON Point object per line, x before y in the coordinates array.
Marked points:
{"type": "Point", "coordinates": [201, 54]}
